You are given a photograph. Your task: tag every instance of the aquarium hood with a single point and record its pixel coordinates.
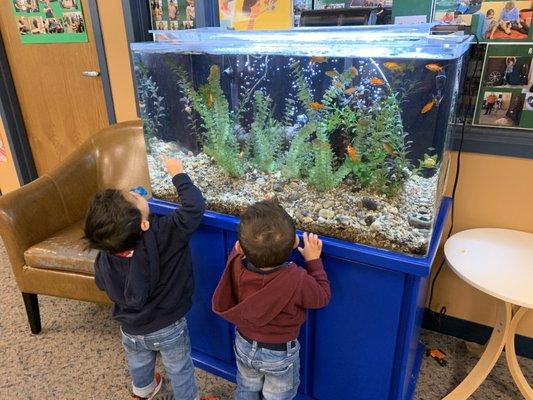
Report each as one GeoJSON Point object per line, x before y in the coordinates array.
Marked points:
{"type": "Point", "coordinates": [394, 41]}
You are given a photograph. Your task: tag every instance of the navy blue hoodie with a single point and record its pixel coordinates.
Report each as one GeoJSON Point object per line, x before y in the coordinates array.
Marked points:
{"type": "Point", "coordinates": [153, 288]}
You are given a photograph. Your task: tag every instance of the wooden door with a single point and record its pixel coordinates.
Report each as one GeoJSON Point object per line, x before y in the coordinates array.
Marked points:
{"type": "Point", "coordinates": [61, 107]}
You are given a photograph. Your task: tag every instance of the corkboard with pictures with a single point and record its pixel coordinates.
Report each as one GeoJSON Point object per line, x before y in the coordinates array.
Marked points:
{"type": "Point", "coordinates": [505, 97]}
{"type": "Point", "coordinates": [49, 21]}
{"type": "Point", "coordinates": [172, 14]}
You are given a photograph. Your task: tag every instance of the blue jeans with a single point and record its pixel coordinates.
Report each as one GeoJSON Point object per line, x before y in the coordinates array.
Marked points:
{"type": "Point", "coordinates": [266, 374]}
{"type": "Point", "coordinates": [175, 347]}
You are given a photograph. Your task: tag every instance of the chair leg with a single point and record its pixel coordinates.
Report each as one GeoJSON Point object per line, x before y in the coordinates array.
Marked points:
{"type": "Point", "coordinates": [32, 310]}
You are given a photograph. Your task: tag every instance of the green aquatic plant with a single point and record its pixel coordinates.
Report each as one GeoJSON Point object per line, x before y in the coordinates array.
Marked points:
{"type": "Point", "coordinates": [295, 160]}
{"type": "Point", "coordinates": [304, 94]}
{"type": "Point", "coordinates": [212, 106]}
{"type": "Point", "coordinates": [322, 174]}
{"type": "Point", "coordinates": [151, 104]}
{"type": "Point", "coordinates": [266, 135]}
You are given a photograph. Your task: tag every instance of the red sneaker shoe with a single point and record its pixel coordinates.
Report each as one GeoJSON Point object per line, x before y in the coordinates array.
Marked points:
{"type": "Point", "coordinates": [159, 383]}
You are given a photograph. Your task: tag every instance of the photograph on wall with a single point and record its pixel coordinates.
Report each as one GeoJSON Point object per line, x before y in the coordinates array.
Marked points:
{"type": "Point", "coordinates": [172, 14]}
{"type": "Point", "coordinates": [300, 6]}
{"type": "Point", "coordinates": [255, 14]}
{"type": "Point", "coordinates": [501, 108]}
{"type": "Point", "coordinates": [503, 21]}
{"type": "Point", "coordinates": [456, 12]}
{"type": "Point", "coordinates": [50, 21]}
{"type": "Point", "coordinates": [505, 97]}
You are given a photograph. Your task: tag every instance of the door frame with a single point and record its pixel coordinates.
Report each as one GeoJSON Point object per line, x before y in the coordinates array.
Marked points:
{"type": "Point", "coordinates": [11, 114]}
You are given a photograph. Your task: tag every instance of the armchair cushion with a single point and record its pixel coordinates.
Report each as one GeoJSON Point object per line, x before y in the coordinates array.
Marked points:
{"type": "Point", "coordinates": [63, 251]}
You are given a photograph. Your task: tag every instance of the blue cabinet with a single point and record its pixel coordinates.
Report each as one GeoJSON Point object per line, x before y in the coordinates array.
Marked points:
{"type": "Point", "coordinates": [364, 345]}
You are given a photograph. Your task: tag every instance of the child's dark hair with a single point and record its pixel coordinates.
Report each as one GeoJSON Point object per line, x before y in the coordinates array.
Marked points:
{"type": "Point", "coordinates": [266, 234]}
{"type": "Point", "coordinates": [112, 223]}
{"type": "Point", "coordinates": [490, 11]}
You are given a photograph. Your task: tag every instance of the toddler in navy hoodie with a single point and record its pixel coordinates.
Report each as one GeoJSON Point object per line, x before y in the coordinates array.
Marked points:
{"type": "Point", "coordinates": [267, 299]}
{"type": "Point", "coordinates": [144, 266]}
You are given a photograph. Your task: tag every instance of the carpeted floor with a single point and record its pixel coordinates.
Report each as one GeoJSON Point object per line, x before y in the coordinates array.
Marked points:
{"type": "Point", "coordinates": [78, 356]}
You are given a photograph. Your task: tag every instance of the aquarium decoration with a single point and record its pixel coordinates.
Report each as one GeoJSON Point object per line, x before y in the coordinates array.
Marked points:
{"type": "Point", "coordinates": [341, 140]}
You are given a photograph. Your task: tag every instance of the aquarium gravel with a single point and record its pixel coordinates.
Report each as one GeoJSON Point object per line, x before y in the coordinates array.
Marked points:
{"type": "Point", "coordinates": [345, 212]}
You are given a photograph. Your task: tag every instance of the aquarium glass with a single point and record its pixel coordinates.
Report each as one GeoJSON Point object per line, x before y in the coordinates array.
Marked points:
{"type": "Point", "coordinates": [346, 127]}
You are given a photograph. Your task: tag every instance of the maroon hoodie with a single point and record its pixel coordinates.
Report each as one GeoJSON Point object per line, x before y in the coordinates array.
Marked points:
{"type": "Point", "coordinates": [270, 306]}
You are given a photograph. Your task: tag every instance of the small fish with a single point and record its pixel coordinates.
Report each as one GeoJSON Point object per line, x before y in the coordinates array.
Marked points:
{"type": "Point", "coordinates": [388, 148]}
{"type": "Point", "coordinates": [352, 152]}
{"type": "Point", "coordinates": [214, 71]}
{"type": "Point", "coordinates": [434, 67]}
{"type": "Point", "coordinates": [210, 100]}
{"type": "Point", "coordinates": [376, 81]}
{"type": "Point", "coordinates": [429, 105]}
{"type": "Point", "coordinates": [318, 60]}
{"type": "Point", "coordinates": [332, 74]}
{"type": "Point", "coordinates": [392, 66]}
{"type": "Point", "coordinates": [353, 72]}
{"type": "Point", "coordinates": [350, 90]}
{"type": "Point", "coordinates": [338, 84]}
{"type": "Point", "coordinates": [316, 105]}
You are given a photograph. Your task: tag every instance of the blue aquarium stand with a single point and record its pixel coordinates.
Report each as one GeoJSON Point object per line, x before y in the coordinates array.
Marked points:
{"type": "Point", "coordinates": [363, 345]}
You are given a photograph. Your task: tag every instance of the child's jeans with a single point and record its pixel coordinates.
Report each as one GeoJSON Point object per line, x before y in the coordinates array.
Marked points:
{"type": "Point", "coordinates": [175, 347]}
{"type": "Point", "coordinates": [266, 374]}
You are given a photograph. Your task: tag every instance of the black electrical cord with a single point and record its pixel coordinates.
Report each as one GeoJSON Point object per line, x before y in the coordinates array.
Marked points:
{"type": "Point", "coordinates": [458, 167]}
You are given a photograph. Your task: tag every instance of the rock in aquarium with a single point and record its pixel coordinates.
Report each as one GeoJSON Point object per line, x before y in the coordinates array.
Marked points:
{"type": "Point", "coordinates": [337, 123]}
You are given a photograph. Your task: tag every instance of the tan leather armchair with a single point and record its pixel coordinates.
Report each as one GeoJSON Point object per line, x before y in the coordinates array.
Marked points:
{"type": "Point", "coordinates": [41, 223]}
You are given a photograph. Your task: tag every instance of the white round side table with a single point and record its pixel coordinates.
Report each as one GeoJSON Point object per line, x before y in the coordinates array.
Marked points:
{"type": "Point", "coordinates": [498, 262]}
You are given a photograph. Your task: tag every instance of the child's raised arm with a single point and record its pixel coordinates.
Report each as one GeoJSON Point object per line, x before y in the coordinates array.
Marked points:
{"type": "Point", "coordinates": [188, 216]}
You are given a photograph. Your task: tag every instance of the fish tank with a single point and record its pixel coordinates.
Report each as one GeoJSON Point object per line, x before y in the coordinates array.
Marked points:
{"type": "Point", "coordinates": [347, 127]}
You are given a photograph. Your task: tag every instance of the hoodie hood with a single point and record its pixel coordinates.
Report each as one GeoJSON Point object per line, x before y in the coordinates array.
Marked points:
{"type": "Point", "coordinates": [272, 292]}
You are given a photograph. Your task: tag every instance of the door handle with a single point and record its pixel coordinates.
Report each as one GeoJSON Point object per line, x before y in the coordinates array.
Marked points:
{"type": "Point", "coordinates": [91, 74]}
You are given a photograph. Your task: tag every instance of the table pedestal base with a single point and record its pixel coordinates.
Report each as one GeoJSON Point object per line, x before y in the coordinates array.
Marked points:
{"type": "Point", "coordinates": [503, 335]}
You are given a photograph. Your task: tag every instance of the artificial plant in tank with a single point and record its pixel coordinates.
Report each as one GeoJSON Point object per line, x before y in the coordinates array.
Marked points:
{"type": "Point", "coordinates": [151, 104]}
{"type": "Point", "coordinates": [266, 136]}
{"type": "Point", "coordinates": [210, 103]}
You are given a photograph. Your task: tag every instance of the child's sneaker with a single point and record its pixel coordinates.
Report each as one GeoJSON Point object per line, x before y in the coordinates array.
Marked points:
{"type": "Point", "coordinates": [159, 382]}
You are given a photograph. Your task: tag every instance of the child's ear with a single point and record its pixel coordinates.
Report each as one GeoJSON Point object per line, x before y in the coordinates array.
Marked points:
{"type": "Point", "coordinates": [296, 242]}
{"type": "Point", "coordinates": [238, 247]}
{"type": "Point", "coordinates": [145, 225]}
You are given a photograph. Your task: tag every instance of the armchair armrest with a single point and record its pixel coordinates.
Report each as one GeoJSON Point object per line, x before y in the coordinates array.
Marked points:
{"type": "Point", "coordinates": [27, 216]}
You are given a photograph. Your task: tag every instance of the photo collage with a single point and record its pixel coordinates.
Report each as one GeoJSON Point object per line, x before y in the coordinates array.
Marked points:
{"type": "Point", "coordinates": [490, 20]}
{"type": "Point", "coordinates": [50, 21]}
{"type": "Point", "coordinates": [505, 97]}
{"type": "Point", "coordinates": [172, 14]}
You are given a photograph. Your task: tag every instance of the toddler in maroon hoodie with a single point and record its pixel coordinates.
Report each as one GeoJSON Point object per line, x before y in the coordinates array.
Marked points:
{"type": "Point", "coordinates": [267, 299]}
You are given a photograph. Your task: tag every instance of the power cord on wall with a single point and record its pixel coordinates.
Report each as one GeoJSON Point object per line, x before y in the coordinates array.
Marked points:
{"type": "Point", "coordinates": [468, 106]}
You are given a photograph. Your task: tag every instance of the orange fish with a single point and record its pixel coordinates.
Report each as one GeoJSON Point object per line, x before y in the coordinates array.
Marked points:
{"type": "Point", "coordinates": [392, 66]}
{"type": "Point", "coordinates": [318, 60]}
{"type": "Point", "coordinates": [377, 81]}
{"type": "Point", "coordinates": [316, 105]}
{"type": "Point", "coordinates": [214, 71]}
{"type": "Point", "coordinates": [429, 105]}
{"type": "Point", "coordinates": [350, 90]}
{"type": "Point", "coordinates": [332, 74]}
{"type": "Point", "coordinates": [352, 152]}
{"type": "Point", "coordinates": [338, 84]}
{"type": "Point", "coordinates": [353, 72]}
{"type": "Point", "coordinates": [210, 100]}
{"type": "Point", "coordinates": [388, 148]}
{"type": "Point", "coordinates": [434, 67]}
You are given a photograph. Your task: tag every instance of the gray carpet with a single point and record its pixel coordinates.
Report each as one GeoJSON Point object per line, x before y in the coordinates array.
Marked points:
{"type": "Point", "coordinates": [78, 356]}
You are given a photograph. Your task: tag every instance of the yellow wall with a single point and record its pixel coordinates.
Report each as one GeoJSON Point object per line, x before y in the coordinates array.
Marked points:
{"type": "Point", "coordinates": [493, 191]}
{"type": "Point", "coordinates": [118, 61]}
{"type": "Point", "coordinates": [8, 175]}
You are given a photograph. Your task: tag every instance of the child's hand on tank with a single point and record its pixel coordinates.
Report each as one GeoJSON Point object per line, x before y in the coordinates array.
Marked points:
{"type": "Point", "coordinates": [173, 166]}
{"type": "Point", "coordinates": [312, 247]}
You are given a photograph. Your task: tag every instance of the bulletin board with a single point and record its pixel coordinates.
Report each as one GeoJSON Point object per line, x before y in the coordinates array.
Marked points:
{"type": "Point", "coordinates": [173, 14]}
{"type": "Point", "coordinates": [49, 21]}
